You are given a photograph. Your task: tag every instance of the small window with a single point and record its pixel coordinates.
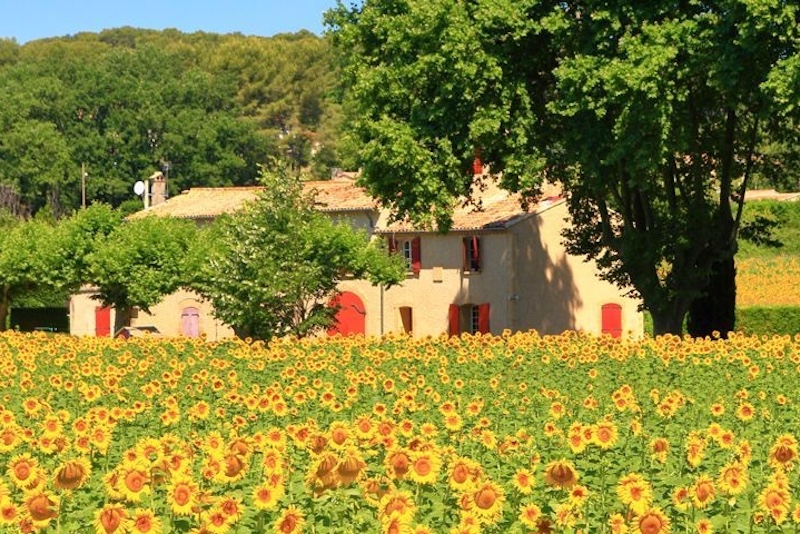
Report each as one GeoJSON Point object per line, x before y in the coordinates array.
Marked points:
{"type": "Point", "coordinates": [471, 318]}
{"type": "Point", "coordinates": [409, 248]}
{"type": "Point", "coordinates": [474, 319]}
{"type": "Point", "coordinates": [405, 250]}
{"type": "Point", "coordinates": [471, 252]}
{"type": "Point", "coordinates": [407, 317]}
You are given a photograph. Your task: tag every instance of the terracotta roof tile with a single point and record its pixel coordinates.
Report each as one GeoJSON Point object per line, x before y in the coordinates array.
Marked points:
{"type": "Point", "coordinates": [497, 209]}
{"type": "Point", "coordinates": [494, 213]}
{"type": "Point", "coordinates": [209, 202]}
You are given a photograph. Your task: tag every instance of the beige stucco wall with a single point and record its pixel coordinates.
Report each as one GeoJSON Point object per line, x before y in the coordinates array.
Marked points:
{"type": "Point", "coordinates": [557, 291]}
{"type": "Point", "coordinates": [165, 316]}
{"type": "Point", "coordinates": [527, 279]}
{"type": "Point", "coordinates": [82, 312]}
{"type": "Point", "coordinates": [441, 282]}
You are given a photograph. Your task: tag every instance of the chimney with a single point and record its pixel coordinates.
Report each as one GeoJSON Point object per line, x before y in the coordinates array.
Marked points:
{"type": "Point", "coordinates": [158, 188]}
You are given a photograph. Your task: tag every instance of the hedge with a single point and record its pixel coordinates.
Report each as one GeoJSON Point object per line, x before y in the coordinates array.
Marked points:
{"type": "Point", "coordinates": [756, 320]}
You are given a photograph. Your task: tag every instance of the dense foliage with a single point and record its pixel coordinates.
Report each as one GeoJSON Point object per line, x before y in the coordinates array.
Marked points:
{"type": "Point", "coordinates": [205, 108]}
{"type": "Point", "coordinates": [272, 267]}
{"type": "Point", "coordinates": [651, 117]}
{"type": "Point", "coordinates": [512, 435]}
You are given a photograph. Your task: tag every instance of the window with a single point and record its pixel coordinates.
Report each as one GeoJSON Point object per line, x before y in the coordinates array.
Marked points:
{"type": "Point", "coordinates": [407, 317]}
{"type": "Point", "coordinates": [471, 254]}
{"type": "Point", "coordinates": [471, 318]}
{"type": "Point", "coordinates": [410, 249]}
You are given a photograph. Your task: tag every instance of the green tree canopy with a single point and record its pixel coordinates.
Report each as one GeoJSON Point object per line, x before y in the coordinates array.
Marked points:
{"type": "Point", "coordinates": [140, 262]}
{"type": "Point", "coordinates": [650, 115]}
{"type": "Point", "coordinates": [274, 265]}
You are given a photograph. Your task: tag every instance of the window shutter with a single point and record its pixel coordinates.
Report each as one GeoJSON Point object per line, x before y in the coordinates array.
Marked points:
{"type": "Point", "coordinates": [483, 318]}
{"type": "Point", "coordinates": [464, 255]}
{"type": "Point", "coordinates": [612, 319]}
{"type": "Point", "coordinates": [477, 164]}
{"type": "Point", "coordinates": [416, 264]}
{"type": "Point", "coordinates": [454, 320]}
{"type": "Point", "coordinates": [392, 244]}
{"type": "Point", "coordinates": [476, 252]}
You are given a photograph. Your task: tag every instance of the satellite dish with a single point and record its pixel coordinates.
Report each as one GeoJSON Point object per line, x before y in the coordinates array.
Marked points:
{"type": "Point", "coordinates": [138, 188]}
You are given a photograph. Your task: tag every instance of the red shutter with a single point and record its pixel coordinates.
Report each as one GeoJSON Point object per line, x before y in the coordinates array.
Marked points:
{"type": "Point", "coordinates": [464, 255]}
{"type": "Point", "coordinates": [454, 320]}
{"type": "Point", "coordinates": [102, 321]}
{"type": "Point", "coordinates": [483, 318]}
{"type": "Point", "coordinates": [416, 264]}
{"type": "Point", "coordinates": [477, 164]}
{"type": "Point", "coordinates": [392, 244]}
{"type": "Point", "coordinates": [612, 320]}
{"type": "Point", "coordinates": [476, 252]}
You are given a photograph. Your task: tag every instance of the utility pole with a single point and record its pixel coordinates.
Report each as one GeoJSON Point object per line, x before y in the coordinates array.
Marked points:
{"type": "Point", "coordinates": [83, 186]}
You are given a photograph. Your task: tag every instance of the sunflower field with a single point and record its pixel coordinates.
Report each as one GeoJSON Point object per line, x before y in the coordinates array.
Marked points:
{"type": "Point", "coordinates": [509, 434]}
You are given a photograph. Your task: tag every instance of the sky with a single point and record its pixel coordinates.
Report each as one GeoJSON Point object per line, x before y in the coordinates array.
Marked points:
{"type": "Point", "coordinates": [27, 20]}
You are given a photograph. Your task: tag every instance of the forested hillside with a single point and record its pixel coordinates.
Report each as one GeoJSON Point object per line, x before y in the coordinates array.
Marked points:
{"type": "Point", "coordinates": [205, 108]}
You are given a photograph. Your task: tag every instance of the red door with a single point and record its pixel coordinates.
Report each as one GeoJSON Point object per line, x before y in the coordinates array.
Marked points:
{"type": "Point", "coordinates": [102, 321]}
{"type": "Point", "coordinates": [190, 322]}
{"type": "Point", "coordinates": [351, 317]}
{"type": "Point", "coordinates": [612, 320]}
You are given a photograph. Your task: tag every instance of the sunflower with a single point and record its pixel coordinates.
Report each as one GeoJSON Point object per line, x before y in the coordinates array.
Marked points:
{"type": "Point", "coordinates": [144, 521]}
{"type": "Point", "coordinates": [653, 521]}
{"type": "Point", "coordinates": [266, 497]}
{"type": "Point", "coordinates": [561, 474]}
{"type": "Point", "coordinates": [41, 506]}
{"type": "Point", "coordinates": [425, 467]}
{"type": "Point", "coordinates": [231, 507]}
{"type": "Point", "coordinates": [350, 466]}
{"type": "Point", "coordinates": [783, 451]}
{"type": "Point", "coordinates": [72, 474]}
{"type": "Point", "coordinates": [529, 514]}
{"type": "Point", "coordinates": [397, 504]}
{"type": "Point", "coordinates": [9, 512]}
{"type": "Point", "coordinates": [659, 449]}
{"type": "Point", "coordinates": [462, 472]}
{"type": "Point", "coordinates": [109, 519]}
{"type": "Point", "coordinates": [216, 521]}
{"type": "Point", "coordinates": [775, 501]}
{"type": "Point", "coordinates": [681, 498]}
{"type": "Point", "coordinates": [182, 495]}
{"type": "Point", "coordinates": [10, 437]}
{"type": "Point", "coordinates": [488, 499]}
{"type": "Point", "coordinates": [24, 471]}
{"type": "Point", "coordinates": [523, 481]}
{"type": "Point", "coordinates": [397, 462]}
{"type": "Point", "coordinates": [703, 492]}
{"type": "Point", "coordinates": [616, 523]}
{"type": "Point", "coordinates": [605, 435]}
{"type": "Point", "coordinates": [732, 478]}
{"type": "Point", "coordinates": [578, 495]}
{"type": "Point", "coordinates": [704, 526]}
{"type": "Point", "coordinates": [291, 521]}
{"type": "Point", "coordinates": [745, 411]}
{"type": "Point", "coordinates": [635, 492]}
{"type": "Point", "coordinates": [134, 480]}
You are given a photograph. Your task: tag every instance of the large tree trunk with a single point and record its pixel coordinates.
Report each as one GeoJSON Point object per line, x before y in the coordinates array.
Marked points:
{"type": "Point", "coordinates": [667, 322]}
{"type": "Point", "coordinates": [715, 310]}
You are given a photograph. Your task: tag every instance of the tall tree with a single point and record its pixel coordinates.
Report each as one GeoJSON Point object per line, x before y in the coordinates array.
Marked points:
{"type": "Point", "coordinates": [274, 265]}
{"type": "Point", "coordinates": [28, 261]}
{"type": "Point", "coordinates": [648, 113]}
{"type": "Point", "coordinates": [140, 262]}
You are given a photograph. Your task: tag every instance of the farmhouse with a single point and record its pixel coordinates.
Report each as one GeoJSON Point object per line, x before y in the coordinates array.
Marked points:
{"type": "Point", "coordinates": [499, 268]}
